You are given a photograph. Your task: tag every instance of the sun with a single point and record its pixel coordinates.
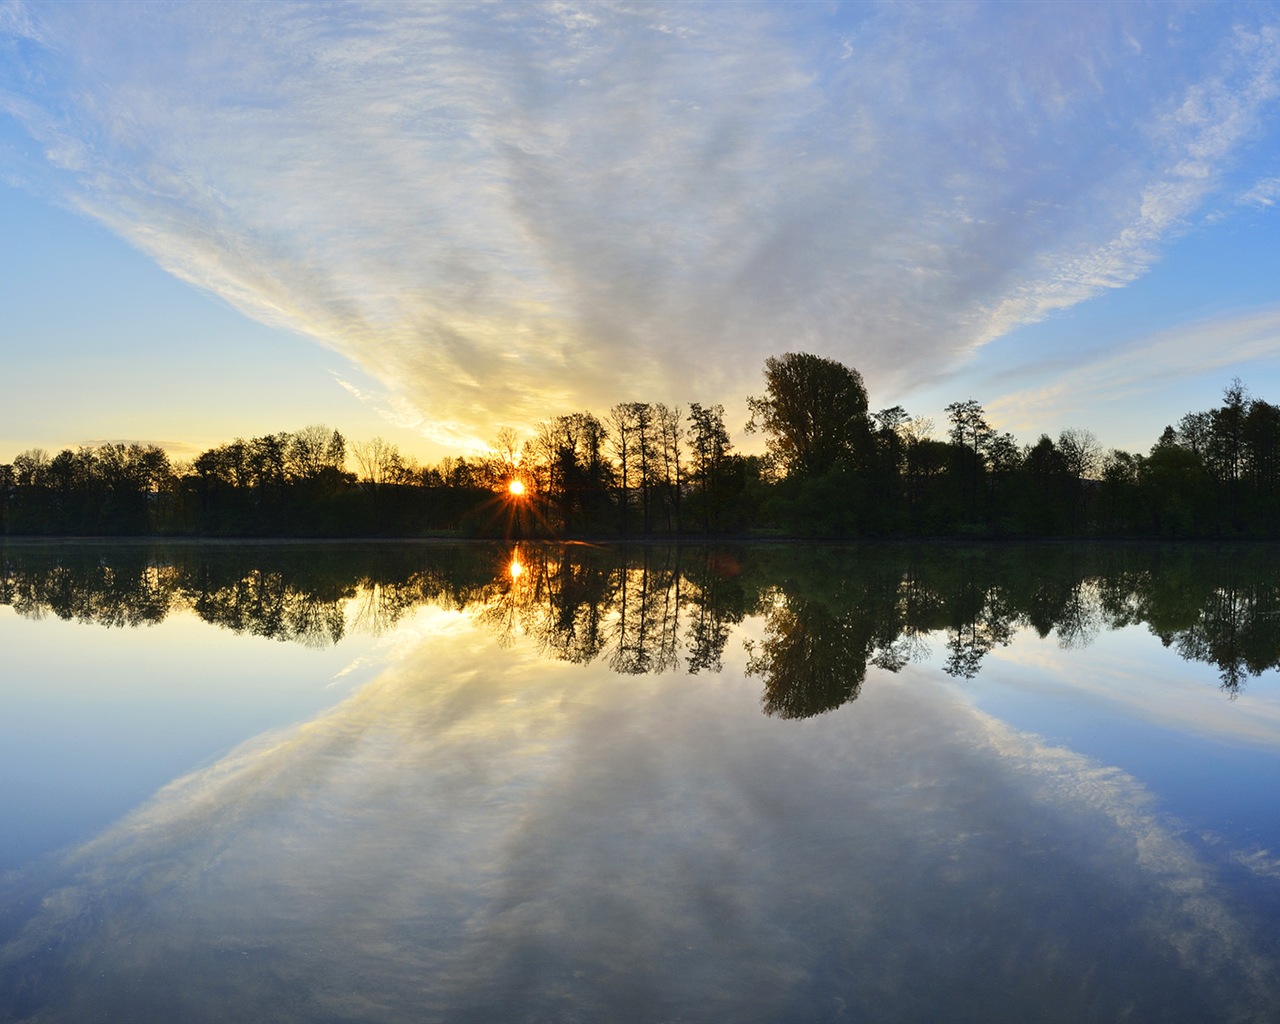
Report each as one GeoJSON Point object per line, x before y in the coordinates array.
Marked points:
{"type": "Point", "coordinates": [516, 488]}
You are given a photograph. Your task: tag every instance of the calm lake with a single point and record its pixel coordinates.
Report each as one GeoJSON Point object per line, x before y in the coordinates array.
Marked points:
{"type": "Point", "coordinates": [490, 783]}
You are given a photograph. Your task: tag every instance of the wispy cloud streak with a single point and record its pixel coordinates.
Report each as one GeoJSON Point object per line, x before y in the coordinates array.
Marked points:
{"type": "Point", "coordinates": [1214, 345]}
{"type": "Point", "coordinates": [506, 211]}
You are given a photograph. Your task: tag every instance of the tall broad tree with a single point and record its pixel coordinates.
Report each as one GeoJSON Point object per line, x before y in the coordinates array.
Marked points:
{"type": "Point", "coordinates": [813, 414]}
{"type": "Point", "coordinates": [565, 460]}
{"type": "Point", "coordinates": [583, 469]}
{"type": "Point", "coordinates": [969, 427]}
{"type": "Point", "coordinates": [709, 446]}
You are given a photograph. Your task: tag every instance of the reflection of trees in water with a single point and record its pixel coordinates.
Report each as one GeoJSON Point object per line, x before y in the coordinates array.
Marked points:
{"type": "Point", "coordinates": [378, 606]}
{"type": "Point", "coordinates": [816, 650]}
{"type": "Point", "coordinates": [90, 590]}
{"type": "Point", "coordinates": [1220, 606]}
{"type": "Point", "coordinates": [299, 593]}
{"type": "Point", "coordinates": [636, 618]}
{"type": "Point", "coordinates": [983, 620]}
{"type": "Point", "coordinates": [1217, 606]}
{"type": "Point", "coordinates": [645, 633]}
{"type": "Point", "coordinates": [829, 613]}
{"type": "Point", "coordinates": [640, 609]}
{"type": "Point", "coordinates": [1071, 608]}
{"type": "Point", "coordinates": [1235, 629]}
{"type": "Point", "coordinates": [810, 660]}
{"type": "Point", "coordinates": [264, 603]}
{"type": "Point", "coordinates": [715, 603]}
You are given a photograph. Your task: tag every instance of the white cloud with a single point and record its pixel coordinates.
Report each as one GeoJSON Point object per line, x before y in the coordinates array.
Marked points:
{"type": "Point", "coordinates": [505, 212]}
{"type": "Point", "coordinates": [1127, 375]}
{"type": "Point", "coordinates": [1263, 193]}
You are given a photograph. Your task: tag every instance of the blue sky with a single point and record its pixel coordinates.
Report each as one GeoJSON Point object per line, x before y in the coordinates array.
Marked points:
{"type": "Point", "coordinates": [431, 221]}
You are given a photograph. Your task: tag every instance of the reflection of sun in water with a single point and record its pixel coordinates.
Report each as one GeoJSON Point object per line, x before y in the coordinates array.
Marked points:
{"type": "Point", "coordinates": [516, 487]}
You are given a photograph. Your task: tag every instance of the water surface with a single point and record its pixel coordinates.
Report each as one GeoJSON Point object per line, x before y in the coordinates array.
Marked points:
{"type": "Point", "coordinates": [455, 783]}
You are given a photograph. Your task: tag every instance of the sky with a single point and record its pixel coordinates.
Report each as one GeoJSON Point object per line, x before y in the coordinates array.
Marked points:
{"type": "Point", "coordinates": [427, 222]}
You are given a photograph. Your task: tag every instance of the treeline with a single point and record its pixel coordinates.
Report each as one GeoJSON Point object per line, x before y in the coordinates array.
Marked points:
{"type": "Point", "coordinates": [279, 485]}
{"type": "Point", "coordinates": [829, 614]}
{"type": "Point", "coordinates": [831, 468]}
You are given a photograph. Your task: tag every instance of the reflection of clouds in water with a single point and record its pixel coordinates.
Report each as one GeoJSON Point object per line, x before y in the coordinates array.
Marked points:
{"type": "Point", "coordinates": [1195, 922]}
{"type": "Point", "coordinates": [1125, 669]}
{"type": "Point", "coordinates": [480, 835]}
{"type": "Point", "coordinates": [1259, 861]}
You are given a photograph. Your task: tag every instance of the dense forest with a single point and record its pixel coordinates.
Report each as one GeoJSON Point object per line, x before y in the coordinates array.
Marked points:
{"type": "Point", "coordinates": [831, 468]}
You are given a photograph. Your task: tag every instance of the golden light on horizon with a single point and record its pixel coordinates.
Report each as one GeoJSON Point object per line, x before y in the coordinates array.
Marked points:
{"type": "Point", "coordinates": [516, 569]}
{"type": "Point", "coordinates": [516, 488]}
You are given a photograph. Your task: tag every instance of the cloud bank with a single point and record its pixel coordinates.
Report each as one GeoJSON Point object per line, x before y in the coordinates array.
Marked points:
{"type": "Point", "coordinates": [506, 212]}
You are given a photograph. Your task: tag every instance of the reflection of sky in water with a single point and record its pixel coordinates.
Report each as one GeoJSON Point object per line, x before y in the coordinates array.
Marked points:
{"type": "Point", "coordinates": [95, 720]}
{"type": "Point", "coordinates": [479, 834]}
{"type": "Point", "coordinates": [1127, 701]}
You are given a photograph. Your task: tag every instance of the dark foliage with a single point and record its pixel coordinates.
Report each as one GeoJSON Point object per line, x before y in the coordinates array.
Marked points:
{"type": "Point", "coordinates": [831, 469]}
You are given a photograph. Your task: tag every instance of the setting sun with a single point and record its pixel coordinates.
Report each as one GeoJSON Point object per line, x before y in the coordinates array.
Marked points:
{"type": "Point", "coordinates": [516, 487]}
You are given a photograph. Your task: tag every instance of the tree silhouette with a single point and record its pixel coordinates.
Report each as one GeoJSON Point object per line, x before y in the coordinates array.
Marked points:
{"type": "Point", "coordinates": [709, 448]}
{"type": "Point", "coordinates": [813, 414]}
